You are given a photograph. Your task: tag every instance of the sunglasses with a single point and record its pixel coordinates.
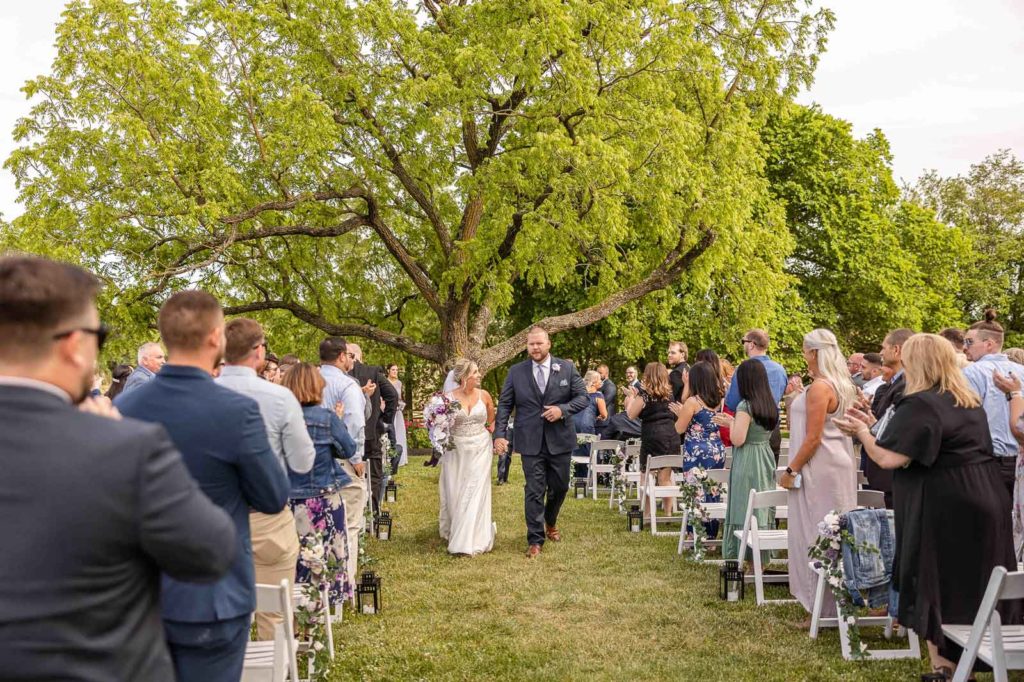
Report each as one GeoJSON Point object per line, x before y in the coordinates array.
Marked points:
{"type": "Point", "coordinates": [101, 332]}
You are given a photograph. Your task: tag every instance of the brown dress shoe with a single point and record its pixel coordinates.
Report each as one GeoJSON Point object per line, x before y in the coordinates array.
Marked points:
{"type": "Point", "coordinates": [553, 534]}
{"type": "Point", "coordinates": [533, 551]}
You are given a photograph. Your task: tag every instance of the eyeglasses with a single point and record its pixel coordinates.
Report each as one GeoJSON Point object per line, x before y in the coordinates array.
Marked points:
{"type": "Point", "coordinates": [742, 341]}
{"type": "Point", "coordinates": [101, 332]}
{"type": "Point", "coordinates": [969, 342]}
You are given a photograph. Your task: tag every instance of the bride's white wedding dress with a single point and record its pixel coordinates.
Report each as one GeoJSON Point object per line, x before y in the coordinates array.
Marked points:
{"type": "Point", "coordinates": [465, 485]}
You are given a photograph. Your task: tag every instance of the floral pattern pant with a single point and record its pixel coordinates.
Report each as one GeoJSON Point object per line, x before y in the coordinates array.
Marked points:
{"type": "Point", "coordinates": [323, 537]}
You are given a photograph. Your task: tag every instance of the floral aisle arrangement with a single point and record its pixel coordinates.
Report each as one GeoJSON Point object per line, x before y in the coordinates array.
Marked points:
{"type": "Point", "coordinates": [585, 438]}
{"type": "Point", "coordinates": [827, 555]}
{"type": "Point", "coordinates": [439, 418]}
{"type": "Point", "coordinates": [694, 487]}
{"type": "Point", "coordinates": [309, 608]}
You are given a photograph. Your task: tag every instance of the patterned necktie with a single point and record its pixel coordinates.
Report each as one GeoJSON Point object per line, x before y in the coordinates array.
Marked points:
{"type": "Point", "coordinates": [541, 383]}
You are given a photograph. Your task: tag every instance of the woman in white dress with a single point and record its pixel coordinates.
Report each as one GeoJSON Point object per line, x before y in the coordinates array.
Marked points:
{"type": "Point", "coordinates": [400, 438]}
{"type": "Point", "coordinates": [465, 483]}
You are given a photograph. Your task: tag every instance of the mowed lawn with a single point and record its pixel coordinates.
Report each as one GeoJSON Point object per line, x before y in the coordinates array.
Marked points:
{"type": "Point", "coordinates": [604, 604]}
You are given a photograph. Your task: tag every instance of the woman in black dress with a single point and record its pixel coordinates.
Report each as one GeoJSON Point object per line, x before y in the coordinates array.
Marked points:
{"type": "Point", "coordinates": [952, 511]}
{"type": "Point", "coordinates": [650, 404]}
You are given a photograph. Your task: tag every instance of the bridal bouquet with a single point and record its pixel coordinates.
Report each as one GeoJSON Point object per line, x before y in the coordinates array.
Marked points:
{"type": "Point", "coordinates": [439, 418]}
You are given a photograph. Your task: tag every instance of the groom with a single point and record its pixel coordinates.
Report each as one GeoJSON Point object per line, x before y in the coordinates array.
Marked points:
{"type": "Point", "coordinates": [545, 393]}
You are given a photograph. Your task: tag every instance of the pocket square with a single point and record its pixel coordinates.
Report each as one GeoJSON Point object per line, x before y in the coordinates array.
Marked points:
{"type": "Point", "coordinates": [563, 382]}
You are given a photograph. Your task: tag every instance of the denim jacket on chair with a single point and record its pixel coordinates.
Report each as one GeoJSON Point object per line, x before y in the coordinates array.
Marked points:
{"type": "Point", "coordinates": [868, 574]}
{"type": "Point", "coordinates": [331, 440]}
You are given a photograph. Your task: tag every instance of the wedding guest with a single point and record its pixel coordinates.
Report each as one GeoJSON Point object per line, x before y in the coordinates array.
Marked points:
{"type": "Point", "coordinates": [823, 459]}
{"type": "Point", "coordinates": [383, 403]}
{"type": "Point", "coordinates": [884, 403]}
{"type": "Point", "coordinates": [631, 378]}
{"type": "Point", "coordinates": [275, 545]}
{"type": "Point", "coordinates": [677, 352]}
{"type": "Point", "coordinates": [755, 345]}
{"type": "Point", "coordinates": [711, 357]}
{"type": "Point", "coordinates": [983, 344]}
{"type": "Point", "coordinates": [939, 446]}
{"type": "Point", "coordinates": [223, 441]}
{"type": "Point", "coordinates": [118, 377]}
{"type": "Point", "coordinates": [650, 404]}
{"type": "Point", "coordinates": [753, 464]}
{"type": "Point", "coordinates": [956, 337]}
{"type": "Point", "coordinates": [271, 369]}
{"type": "Point", "coordinates": [586, 419]}
{"type": "Point", "coordinates": [855, 366]}
{"type": "Point", "coordinates": [150, 358]}
{"type": "Point", "coordinates": [341, 389]}
{"type": "Point", "coordinates": [609, 392]}
{"type": "Point", "coordinates": [702, 444]}
{"type": "Point", "coordinates": [287, 362]}
{"type": "Point", "coordinates": [315, 499]}
{"type": "Point", "coordinates": [401, 439]}
{"type": "Point", "coordinates": [92, 507]}
{"type": "Point", "coordinates": [872, 374]}
{"type": "Point", "coordinates": [1011, 386]}
{"type": "Point", "coordinates": [1015, 355]}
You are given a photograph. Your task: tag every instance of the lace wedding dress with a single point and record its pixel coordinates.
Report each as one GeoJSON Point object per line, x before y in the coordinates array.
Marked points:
{"type": "Point", "coordinates": [465, 485]}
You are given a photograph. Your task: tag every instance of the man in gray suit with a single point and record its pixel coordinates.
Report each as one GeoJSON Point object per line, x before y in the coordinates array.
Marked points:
{"type": "Point", "coordinates": [151, 358]}
{"type": "Point", "coordinates": [92, 508]}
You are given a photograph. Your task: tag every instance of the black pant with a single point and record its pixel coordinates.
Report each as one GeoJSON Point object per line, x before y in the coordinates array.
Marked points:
{"type": "Point", "coordinates": [504, 464]}
{"type": "Point", "coordinates": [775, 443]}
{"type": "Point", "coordinates": [547, 476]}
{"type": "Point", "coordinates": [1008, 470]}
{"type": "Point", "coordinates": [376, 465]}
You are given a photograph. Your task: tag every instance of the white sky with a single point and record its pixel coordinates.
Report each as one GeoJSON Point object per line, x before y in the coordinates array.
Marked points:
{"type": "Point", "coordinates": [943, 79]}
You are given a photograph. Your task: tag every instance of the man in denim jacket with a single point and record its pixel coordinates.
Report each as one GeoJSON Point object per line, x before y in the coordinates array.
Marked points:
{"type": "Point", "coordinates": [983, 344]}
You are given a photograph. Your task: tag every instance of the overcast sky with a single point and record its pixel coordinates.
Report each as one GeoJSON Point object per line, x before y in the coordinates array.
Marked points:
{"type": "Point", "coordinates": [943, 79]}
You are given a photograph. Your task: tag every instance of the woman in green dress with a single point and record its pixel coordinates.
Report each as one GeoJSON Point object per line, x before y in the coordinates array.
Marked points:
{"type": "Point", "coordinates": [753, 463]}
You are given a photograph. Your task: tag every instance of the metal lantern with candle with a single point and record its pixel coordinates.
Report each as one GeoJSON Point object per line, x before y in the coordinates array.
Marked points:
{"type": "Point", "coordinates": [731, 581]}
{"type": "Point", "coordinates": [580, 488]}
{"type": "Point", "coordinates": [368, 597]}
{"type": "Point", "coordinates": [384, 525]}
{"type": "Point", "coordinates": [391, 491]}
{"type": "Point", "coordinates": [635, 519]}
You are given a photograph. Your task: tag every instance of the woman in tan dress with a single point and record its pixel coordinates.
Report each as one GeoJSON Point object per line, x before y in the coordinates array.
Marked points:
{"type": "Point", "coordinates": [823, 460]}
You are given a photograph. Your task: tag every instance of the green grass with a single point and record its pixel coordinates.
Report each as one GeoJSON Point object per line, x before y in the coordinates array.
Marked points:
{"type": "Point", "coordinates": [604, 604]}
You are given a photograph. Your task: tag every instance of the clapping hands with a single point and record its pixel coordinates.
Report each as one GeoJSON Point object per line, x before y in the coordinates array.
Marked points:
{"type": "Point", "coordinates": [855, 422]}
{"type": "Point", "coordinates": [1006, 384]}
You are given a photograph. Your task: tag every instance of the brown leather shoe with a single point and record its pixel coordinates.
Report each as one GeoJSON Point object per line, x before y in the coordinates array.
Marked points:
{"type": "Point", "coordinates": [553, 534]}
{"type": "Point", "coordinates": [533, 551]}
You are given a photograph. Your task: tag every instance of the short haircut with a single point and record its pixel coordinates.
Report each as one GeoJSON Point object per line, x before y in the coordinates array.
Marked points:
{"type": "Point", "coordinates": [242, 335]}
{"type": "Point", "coordinates": [306, 382]}
{"type": "Point", "coordinates": [631, 367]}
{"type": "Point", "coordinates": [681, 346]}
{"type": "Point", "coordinates": [331, 349]}
{"type": "Point", "coordinates": [273, 358]}
{"type": "Point", "coordinates": [187, 318]}
{"type": "Point", "coordinates": [1015, 355]}
{"type": "Point", "coordinates": [38, 297]}
{"type": "Point", "coordinates": [898, 337]}
{"type": "Point", "coordinates": [602, 366]}
{"type": "Point", "coordinates": [873, 358]}
{"type": "Point", "coordinates": [759, 338]}
{"type": "Point", "coordinates": [988, 328]}
{"type": "Point", "coordinates": [954, 336]}
{"type": "Point", "coordinates": [289, 360]}
{"type": "Point", "coordinates": [145, 349]}
{"type": "Point", "coordinates": [536, 328]}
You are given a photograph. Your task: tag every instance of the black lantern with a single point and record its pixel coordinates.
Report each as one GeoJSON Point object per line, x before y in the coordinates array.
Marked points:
{"type": "Point", "coordinates": [391, 491]}
{"type": "Point", "coordinates": [730, 581]}
{"type": "Point", "coordinates": [384, 525]}
{"type": "Point", "coordinates": [368, 593]}
{"type": "Point", "coordinates": [580, 488]}
{"type": "Point", "coordinates": [635, 519]}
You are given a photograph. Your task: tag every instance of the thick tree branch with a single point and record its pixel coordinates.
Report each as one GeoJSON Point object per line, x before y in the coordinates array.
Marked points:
{"type": "Point", "coordinates": [403, 343]}
{"type": "Point", "coordinates": [670, 269]}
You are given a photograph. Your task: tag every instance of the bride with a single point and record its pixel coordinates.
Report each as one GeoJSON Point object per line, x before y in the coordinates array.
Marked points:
{"type": "Point", "coordinates": [465, 485]}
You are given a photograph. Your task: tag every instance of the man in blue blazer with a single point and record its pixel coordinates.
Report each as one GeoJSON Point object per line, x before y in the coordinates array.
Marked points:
{"type": "Point", "coordinates": [545, 393]}
{"type": "Point", "coordinates": [223, 441]}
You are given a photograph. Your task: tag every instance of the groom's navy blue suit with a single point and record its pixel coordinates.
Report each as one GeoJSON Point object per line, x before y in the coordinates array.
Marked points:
{"type": "Point", "coordinates": [545, 446]}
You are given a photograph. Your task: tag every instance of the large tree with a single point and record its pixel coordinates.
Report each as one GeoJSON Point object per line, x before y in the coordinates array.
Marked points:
{"type": "Point", "coordinates": [399, 170]}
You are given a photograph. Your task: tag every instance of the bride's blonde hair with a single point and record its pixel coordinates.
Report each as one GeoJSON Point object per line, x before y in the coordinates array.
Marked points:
{"type": "Point", "coordinates": [463, 368]}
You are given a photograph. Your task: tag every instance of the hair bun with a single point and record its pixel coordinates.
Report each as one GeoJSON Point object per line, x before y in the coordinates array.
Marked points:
{"type": "Point", "coordinates": [991, 314]}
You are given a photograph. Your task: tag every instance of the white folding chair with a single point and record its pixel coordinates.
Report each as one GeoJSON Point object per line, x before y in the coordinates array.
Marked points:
{"type": "Point", "coordinates": [631, 478]}
{"type": "Point", "coordinates": [1001, 646]}
{"type": "Point", "coordinates": [654, 492]}
{"type": "Point", "coordinates": [757, 539]}
{"type": "Point", "coordinates": [712, 510]}
{"type": "Point", "coordinates": [595, 468]}
{"type": "Point", "coordinates": [274, 660]}
{"type": "Point", "coordinates": [325, 600]}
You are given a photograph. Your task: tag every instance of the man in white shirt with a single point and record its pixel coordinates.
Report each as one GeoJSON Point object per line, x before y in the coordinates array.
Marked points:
{"type": "Point", "coordinates": [275, 541]}
{"type": "Point", "coordinates": [335, 363]}
{"type": "Point", "coordinates": [872, 374]}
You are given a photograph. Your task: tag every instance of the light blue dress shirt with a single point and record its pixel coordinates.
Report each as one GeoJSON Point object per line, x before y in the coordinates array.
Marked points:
{"type": "Point", "coordinates": [997, 407]}
{"type": "Point", "coordinates": [341, 388]}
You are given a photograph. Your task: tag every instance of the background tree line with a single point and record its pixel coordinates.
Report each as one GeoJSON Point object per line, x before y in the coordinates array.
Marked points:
{"type": "Point", "coordinates": [434, 177]}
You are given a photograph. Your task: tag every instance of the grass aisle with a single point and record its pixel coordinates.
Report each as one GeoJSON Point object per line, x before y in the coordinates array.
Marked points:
{"type": "Point", "coordinates": [603, 604]}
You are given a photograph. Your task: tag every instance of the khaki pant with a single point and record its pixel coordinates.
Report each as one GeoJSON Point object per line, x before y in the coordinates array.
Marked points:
{"type": "Point", "coordinates": [354, 496]}
{"type": "Point", "coordinates": [275, 553]}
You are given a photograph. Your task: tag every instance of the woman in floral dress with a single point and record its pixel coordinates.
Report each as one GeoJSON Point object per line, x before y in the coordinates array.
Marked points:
{"type": "Point", "coordinates": [314, 499]}
{"type": "Point", "coordinates": [702, 445]}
